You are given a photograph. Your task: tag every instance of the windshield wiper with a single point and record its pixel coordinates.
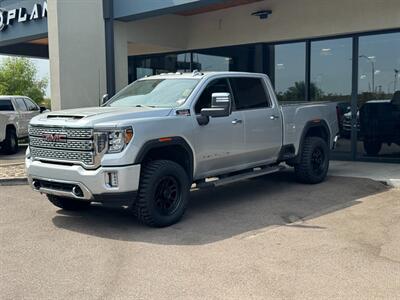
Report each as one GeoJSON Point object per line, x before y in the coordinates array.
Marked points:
{"type": "Point", "coordinates": [146, 106]}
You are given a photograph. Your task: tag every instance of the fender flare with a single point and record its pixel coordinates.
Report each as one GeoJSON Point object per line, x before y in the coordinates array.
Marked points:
{"type": "Point", "coordinates": [313, 124]}
{"type": "Point", "coordinates": [166, 142]}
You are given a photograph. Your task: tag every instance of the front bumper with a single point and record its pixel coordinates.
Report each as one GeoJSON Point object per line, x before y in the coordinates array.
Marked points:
{"type": "Point", "coordinates": [77, 182]}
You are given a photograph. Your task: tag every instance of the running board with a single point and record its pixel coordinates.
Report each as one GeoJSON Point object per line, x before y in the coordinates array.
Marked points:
{"type": "Point", "coordinates": [239, 177]}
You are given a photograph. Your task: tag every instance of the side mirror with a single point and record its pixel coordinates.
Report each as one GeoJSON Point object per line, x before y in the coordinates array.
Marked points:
{"type": "Point", "coordinates": [43, 109]}
{"type": "Point", "coordinates": [221, 106]}
{"type": "Point", "coordinates": [104, 99]}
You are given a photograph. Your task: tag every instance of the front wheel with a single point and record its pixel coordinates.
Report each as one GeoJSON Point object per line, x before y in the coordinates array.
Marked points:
{"type": "Point", "coordinates": [314, 161]}
{"type": "Point", "coordinates": [67, 203]}
{"type": "Point", "coordinates": [10, 145]}
{"type": "Point", "coordinates": [163, 193]}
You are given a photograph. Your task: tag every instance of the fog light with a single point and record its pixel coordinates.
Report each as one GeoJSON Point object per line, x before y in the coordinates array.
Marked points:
{"type": "Point", "coordinates": [112, 179]}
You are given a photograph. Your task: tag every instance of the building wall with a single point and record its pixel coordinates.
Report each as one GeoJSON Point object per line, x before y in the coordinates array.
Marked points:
{"type": "Point", "coordinates": [22, 32]}
{"type": "Point", "coordinates": [291, 20]}
{"type": "Point", "coordinates": [77, 53]}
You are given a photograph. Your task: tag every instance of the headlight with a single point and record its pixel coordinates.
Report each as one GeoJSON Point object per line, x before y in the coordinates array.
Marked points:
{"type": "Point", "coordinates": [113, 140]}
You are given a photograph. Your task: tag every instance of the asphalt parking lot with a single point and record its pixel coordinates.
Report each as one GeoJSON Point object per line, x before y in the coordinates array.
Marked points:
{"type": "Point", "coordinates": [263, 238]}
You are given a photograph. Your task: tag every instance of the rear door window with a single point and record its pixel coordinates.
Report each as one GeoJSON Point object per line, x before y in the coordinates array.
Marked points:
{"type": "Point", "coordinates": [20, 104]}
{"type": "Point", "coordinates": [249, 93]}
{"type": "Point", "coordinates": [6, 105]}
{"type": "Point", "coordinates": [30, 105]}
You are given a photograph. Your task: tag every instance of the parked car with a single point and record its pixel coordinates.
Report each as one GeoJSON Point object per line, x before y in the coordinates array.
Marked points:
{"type": "Point", "coordinates": [149, 143]}
{"type": "Point", "coordinates": [15, 114]}
{"type": "Point", "coordinates": [380, 123]}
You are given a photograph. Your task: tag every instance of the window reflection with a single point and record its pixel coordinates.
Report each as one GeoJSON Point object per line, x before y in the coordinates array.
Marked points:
{"type": "Point", "coordinates": [331, 70]}
{"type": "Point", "coordinates": [290, 72]}
{"type": "Point", "coordinates": [156, 64]}
{"type": "Point", "coordinates": [235, 58]}
{"type": "Point", "coordinates": [205, 62]}
{"type": "Point", "coordinates": [378, 118]}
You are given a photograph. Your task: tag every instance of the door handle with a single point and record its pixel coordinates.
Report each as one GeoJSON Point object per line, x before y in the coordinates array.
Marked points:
{"type": "Point", "coordinates": [273, 117]}
{"type": "Point", "coordinates": [236, 121]}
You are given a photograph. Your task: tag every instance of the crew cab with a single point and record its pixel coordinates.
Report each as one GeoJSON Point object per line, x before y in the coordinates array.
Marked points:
{"type": "Point", "coordinates": [15, 115]}
{"type": "Point", "coordinates": [161, 135]}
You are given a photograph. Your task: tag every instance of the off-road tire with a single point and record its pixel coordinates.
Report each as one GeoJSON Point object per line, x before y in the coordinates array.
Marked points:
{"type": "Point", "coordinates": [372, 148]}
{"type": "Point", "coordinates": [308, 170]}
{"type": "Point", "coordinates": [148, 207]}
{"type": "Point", "coordinates": [10, 144]}
{"type": "Point", "coordinates": [68, 203]}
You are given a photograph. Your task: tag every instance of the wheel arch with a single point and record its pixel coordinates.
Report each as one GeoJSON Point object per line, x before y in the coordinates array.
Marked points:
{"type": "Point", "coordinates": [316, 128]}
{"type": "Point", "coordinates": [170, 148]}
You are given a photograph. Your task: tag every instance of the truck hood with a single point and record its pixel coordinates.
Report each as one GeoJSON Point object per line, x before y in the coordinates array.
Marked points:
{"type": "Point", "coordinates": [98, 116]}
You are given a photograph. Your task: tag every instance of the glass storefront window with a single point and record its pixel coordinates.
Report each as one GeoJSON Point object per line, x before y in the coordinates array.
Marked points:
{"type": "Point", "coordinates": [331, 70]}
{"type": "Point", "coordinates": [330, 73]}
{"type": "Point", "coordinates": [235, 58]}
{"type": "Point", "coordinates": [157, 64]}
{"type": "Point", "coordinates": [378, 118]}
{"type": "Point", "coordinates": [205, 62]}
{"type": "Point", "coordinates": [331, 80]}
{"type": "Point", "coordinates": [290, 69]}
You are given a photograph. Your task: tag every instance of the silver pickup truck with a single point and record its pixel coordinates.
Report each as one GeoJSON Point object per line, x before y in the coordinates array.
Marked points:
{"type": "Point", "coordinates": [161, 135]}
{"type": "Point", "coordinates": [15, 114]}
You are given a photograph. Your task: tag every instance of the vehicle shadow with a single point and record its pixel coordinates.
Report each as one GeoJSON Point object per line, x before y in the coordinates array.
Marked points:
{"type": "Point", "coordinates": [235, 210]}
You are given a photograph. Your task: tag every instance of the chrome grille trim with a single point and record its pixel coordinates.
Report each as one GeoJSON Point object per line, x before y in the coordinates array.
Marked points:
{"type": "Point", "coordinates": [87, 158]}
{"type": "Point", "coordinates": [83, 145]}
{"type": "Point", "coordinates": [77, 147]}
{"type": "Point", "coordinates": [72, 133]}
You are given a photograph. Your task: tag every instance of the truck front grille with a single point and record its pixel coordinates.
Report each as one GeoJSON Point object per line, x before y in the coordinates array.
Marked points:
{"type": "Point", "coordinates": [65, 145]}
{"type": "Point", "coordinates": [86, 145]}
{"type": "Point", "coordinates": [72, 133]}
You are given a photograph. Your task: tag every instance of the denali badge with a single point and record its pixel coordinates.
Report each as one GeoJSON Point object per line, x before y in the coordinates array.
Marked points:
{"type": "Point", "coordinates": [55, 137]}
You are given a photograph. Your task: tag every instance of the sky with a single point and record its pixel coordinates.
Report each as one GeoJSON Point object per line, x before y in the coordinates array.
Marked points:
{"type": "Point", "coordinates": [42, 66]}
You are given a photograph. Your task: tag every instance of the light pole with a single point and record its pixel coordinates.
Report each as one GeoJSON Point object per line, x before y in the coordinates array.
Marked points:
{"type": "Point", "coordinates": [396, 75]}
{"type": "Point", "coordinates": [370, 59]}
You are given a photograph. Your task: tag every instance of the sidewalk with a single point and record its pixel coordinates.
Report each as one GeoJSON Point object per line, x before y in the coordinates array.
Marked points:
{"type": "Point", "coordinates": [12, 168]}
{"type": "Point", "coordinates": [384, 172]}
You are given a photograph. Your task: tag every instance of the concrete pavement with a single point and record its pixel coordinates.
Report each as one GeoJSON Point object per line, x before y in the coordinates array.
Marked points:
{"type": "Point", "coordinates": [260, 239]}
{"type": "Point", "coordinates": [384, 172]}
{"type": "Point", "coordinates": [14, 158]}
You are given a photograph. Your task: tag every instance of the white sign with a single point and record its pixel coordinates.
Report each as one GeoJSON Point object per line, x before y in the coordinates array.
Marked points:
{"type": "Point", "coordinates": [22, 15]}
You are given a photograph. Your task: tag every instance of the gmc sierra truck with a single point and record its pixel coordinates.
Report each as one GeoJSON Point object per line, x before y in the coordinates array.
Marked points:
{"type": "Point", "coordinates": [162, 135]}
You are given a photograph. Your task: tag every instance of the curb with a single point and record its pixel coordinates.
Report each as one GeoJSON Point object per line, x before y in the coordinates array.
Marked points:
{"type": "Point", "coordinates": [11, 164]}
{"type": "Point", "coordinates": [13, 181]}
{"type": "Point", "coordinates": [393, 183]}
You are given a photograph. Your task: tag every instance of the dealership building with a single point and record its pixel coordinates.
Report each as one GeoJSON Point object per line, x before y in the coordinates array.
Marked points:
{"type": "Point", "coordinates": [347, 51]}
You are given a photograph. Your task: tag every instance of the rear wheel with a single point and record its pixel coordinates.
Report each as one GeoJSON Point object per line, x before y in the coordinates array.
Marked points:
{"type": "Point", "coordinates": [10, 144]}
{"type": "Point", "coordinates": [314, 161]}
{"type": "Point", "coordinates": [372, 147]}
{"type": "Point", "coordinates": [163, 193]}
{"type": "Point", "coordinates": [68, 203]}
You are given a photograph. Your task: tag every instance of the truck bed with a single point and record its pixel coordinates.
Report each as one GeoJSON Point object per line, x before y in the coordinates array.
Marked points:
{"type": "Point", "coordinates": [297, 115]}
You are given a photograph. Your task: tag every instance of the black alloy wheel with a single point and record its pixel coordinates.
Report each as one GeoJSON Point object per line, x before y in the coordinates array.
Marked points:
{"type": "Point", "coordinates": [313, 163]}
{"type": "Point", "coordinates": [163, 193]}
{"type": "Point", "coordinates": [167, 196]}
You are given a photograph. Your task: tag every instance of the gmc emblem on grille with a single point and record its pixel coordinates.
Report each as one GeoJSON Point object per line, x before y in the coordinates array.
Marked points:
{"type": "Point", "coordinates": [55, 137]}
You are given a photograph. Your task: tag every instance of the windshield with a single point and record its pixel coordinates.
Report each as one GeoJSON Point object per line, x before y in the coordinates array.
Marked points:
{"type": "Point", "coordinates": [154, 93]}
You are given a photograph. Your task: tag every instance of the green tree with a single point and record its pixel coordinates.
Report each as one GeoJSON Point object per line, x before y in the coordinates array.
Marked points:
{"type": "Point", "coordinates": [298, 92]}
{"type": "Point", "coordinates": [18, 76]}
